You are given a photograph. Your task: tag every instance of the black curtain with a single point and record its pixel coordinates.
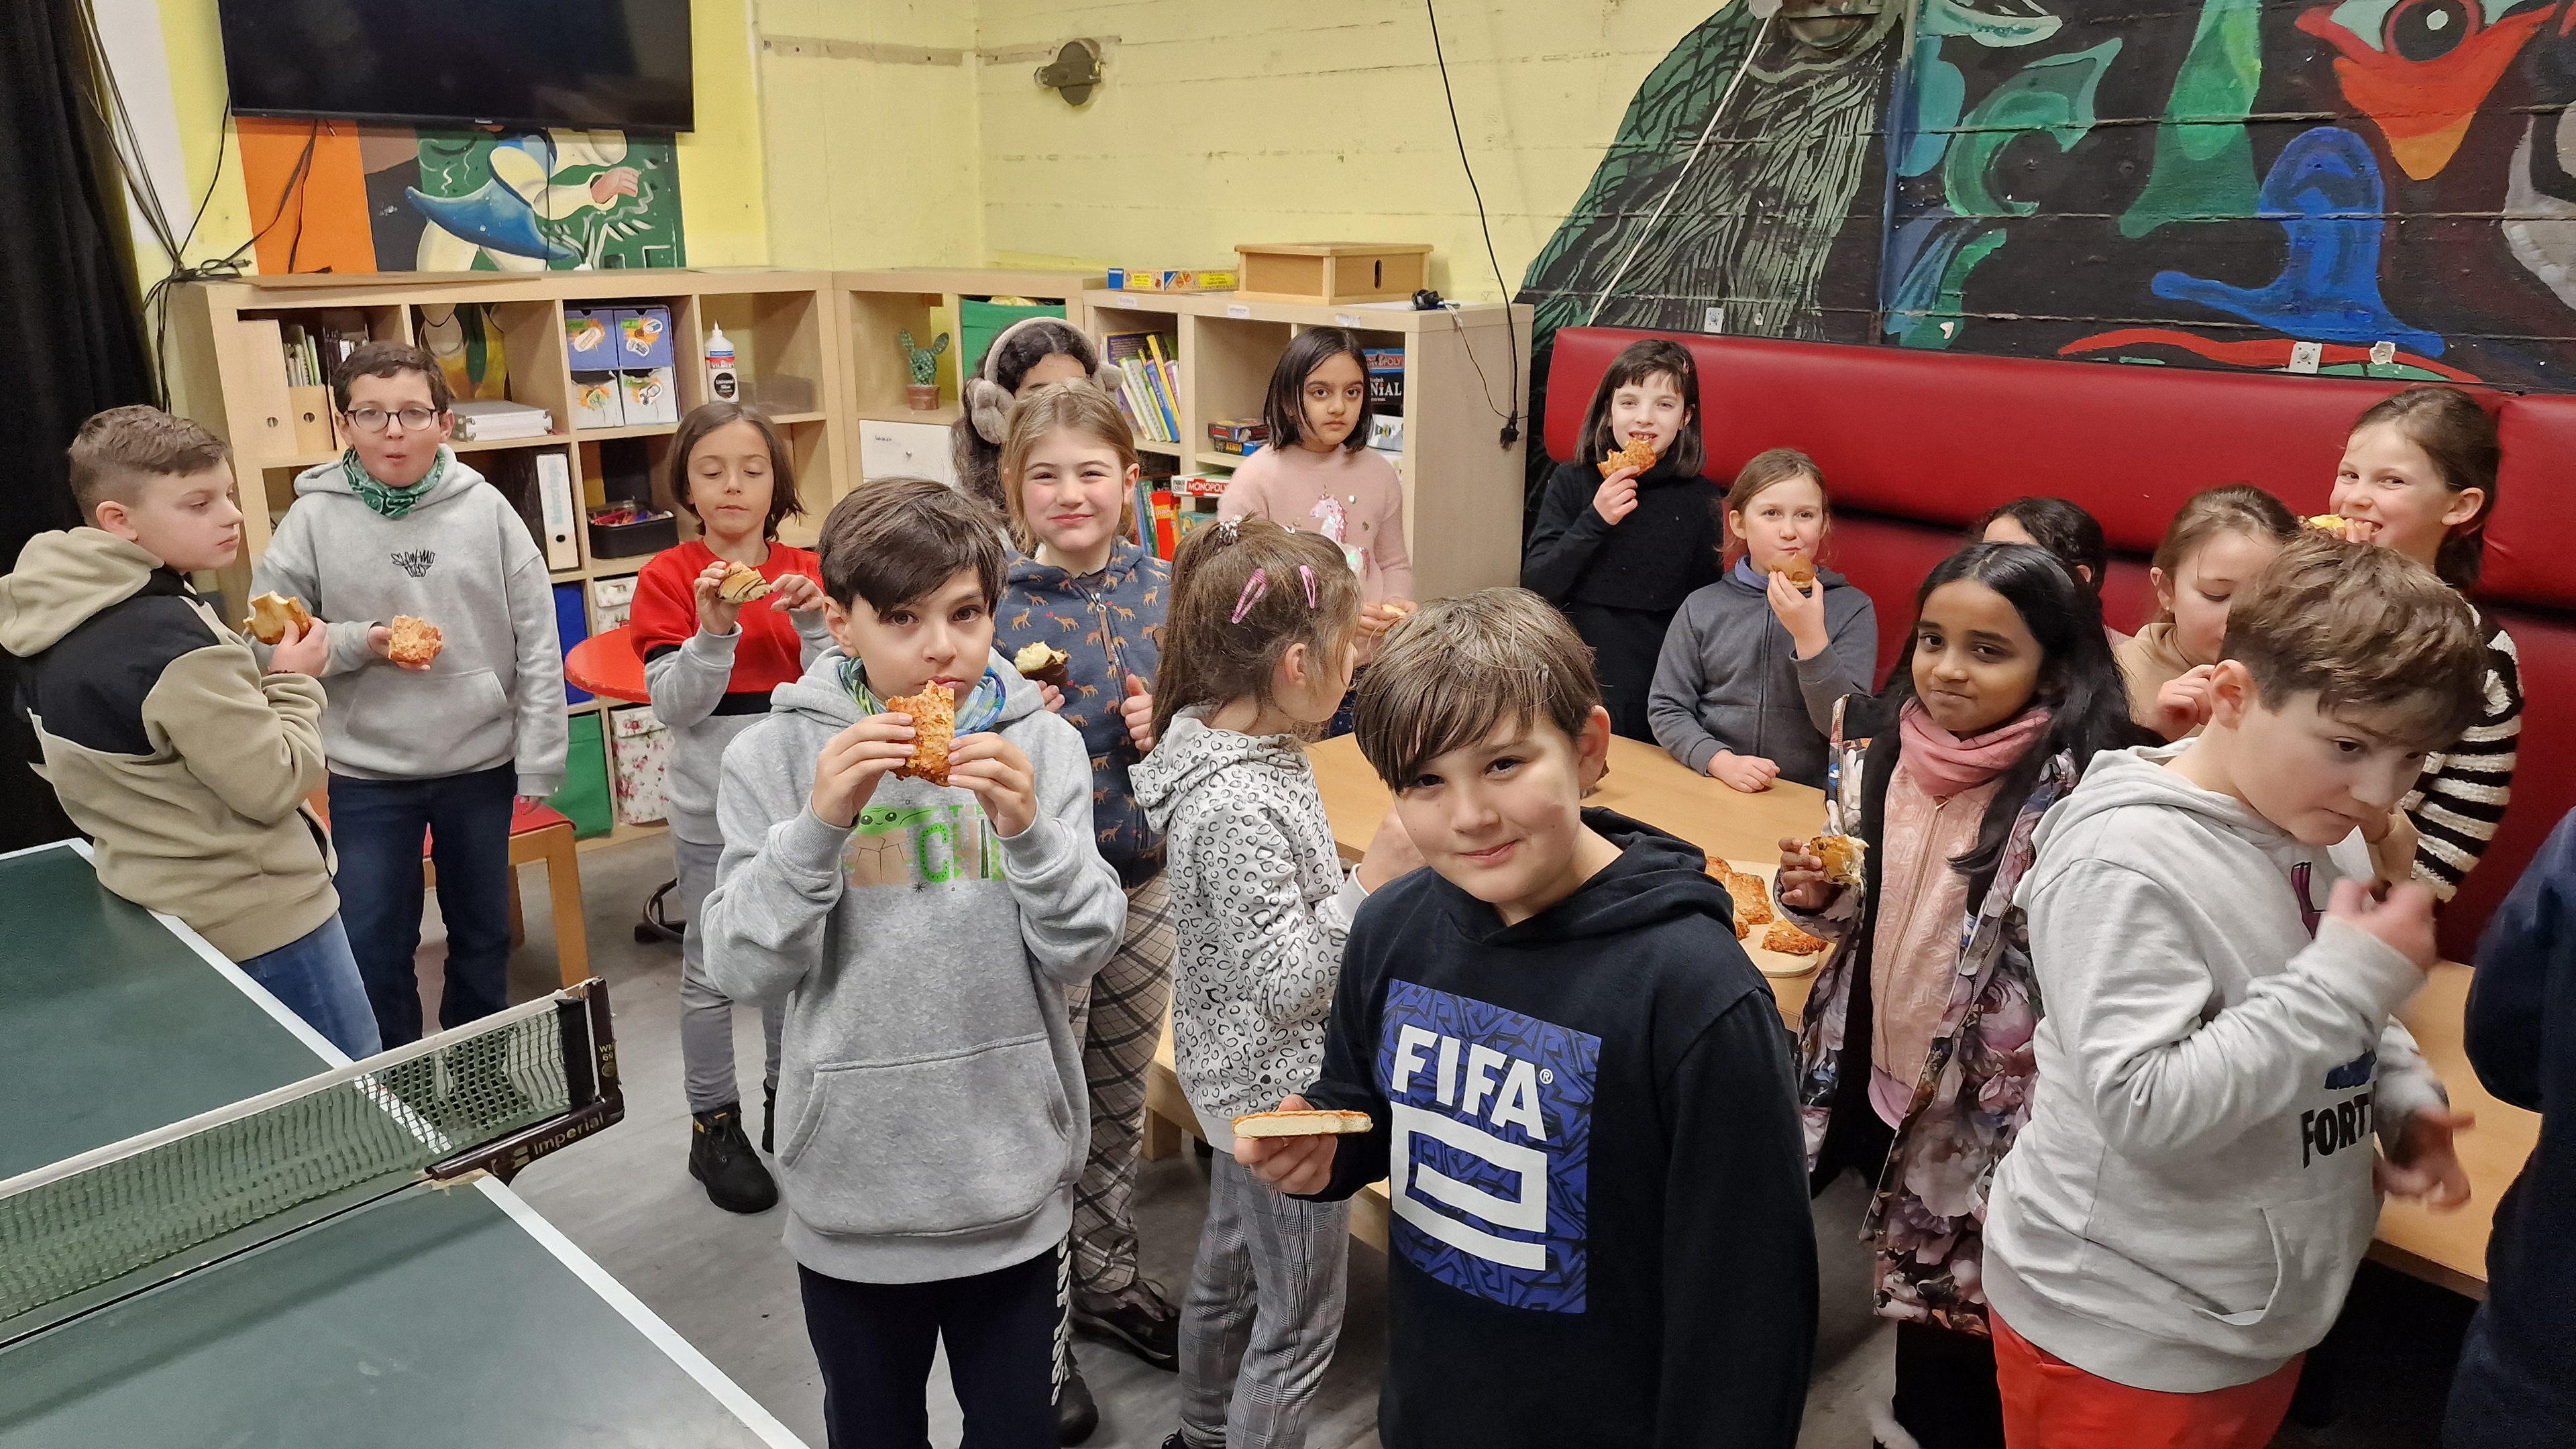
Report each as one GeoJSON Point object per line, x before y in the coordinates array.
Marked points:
{"type": "Point", "coordinates": [71, 318]}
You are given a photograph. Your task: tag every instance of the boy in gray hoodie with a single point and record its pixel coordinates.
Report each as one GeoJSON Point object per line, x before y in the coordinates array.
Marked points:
{"type": "Point", "coordinates": [920, 938]}
{"type": "Point", "coordinates": [2183, 1214]}
{"type": "Point", "coordinates": [400, 526]}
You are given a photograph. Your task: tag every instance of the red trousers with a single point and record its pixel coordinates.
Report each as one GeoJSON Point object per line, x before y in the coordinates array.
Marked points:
{"type": "Point", "coordinates": [2051, 1404]}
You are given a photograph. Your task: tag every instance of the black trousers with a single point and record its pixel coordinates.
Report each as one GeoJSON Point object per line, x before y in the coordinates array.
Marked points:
{"type": "Point", "coordinates": [1625, 644]}
{"type": "Point", "coordinates": [874, 1342]}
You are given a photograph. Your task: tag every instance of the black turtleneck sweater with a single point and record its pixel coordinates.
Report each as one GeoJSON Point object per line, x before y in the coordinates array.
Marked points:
{"type": "Point", "coordinates": [1650, 560]}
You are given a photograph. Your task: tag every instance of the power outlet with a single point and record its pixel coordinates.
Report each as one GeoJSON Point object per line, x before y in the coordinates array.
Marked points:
{"type": "Point", "coordinates": [1713, 320]}
{"type": "Point", "coordinates": [2304, 356]}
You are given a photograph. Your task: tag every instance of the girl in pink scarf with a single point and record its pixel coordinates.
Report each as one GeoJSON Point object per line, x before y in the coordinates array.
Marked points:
{"type": "Point", "coordinates": [1915, 1058]}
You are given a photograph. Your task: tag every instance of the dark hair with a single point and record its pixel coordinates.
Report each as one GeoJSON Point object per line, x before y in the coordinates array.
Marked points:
{"type": "Point", "coordinates": [117, 450]}
{"type": "Point", "coordinates": [2227, 508]}
{"type": "Point", "coordinates": [2461, 440]}
{"type": "Point", "coordinates": [1650, 357]}
{"type": "Point", "coordinates": [2087, 698]}
{"type": "Point", "coordinates": [1463, 667]}
{"type": "Point", "coordinates": [2363, 628]}
{"type": "Point", "coordinates": [1284, 409]}
{"type": "Point", "coordinates": [705, 419]}
{"type": "Point", "coordinates": [389, 359]}
{"type": "Point", "coordinates": [893, 540]}
{"type": "Point", "coordinates": [1767, 470]}
{"type": "Point", "coordinates": [1210, 656]}
{"type": "Point", "coordinates": [2069, 533]}
{"type": "Point", "coordinates": [985, 400]}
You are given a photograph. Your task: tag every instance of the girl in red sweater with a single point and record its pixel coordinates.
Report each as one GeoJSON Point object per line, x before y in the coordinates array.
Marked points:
{"type": "Point", "coordinates": [711, 665]}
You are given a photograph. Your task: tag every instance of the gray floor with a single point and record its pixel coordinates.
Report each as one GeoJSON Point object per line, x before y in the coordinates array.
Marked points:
{"type": "Point", "coordinates": [724, 1283]}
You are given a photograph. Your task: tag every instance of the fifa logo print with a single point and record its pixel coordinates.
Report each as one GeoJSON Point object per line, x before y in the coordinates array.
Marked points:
{"type": "Point", "coordinates": [1490, 1162]}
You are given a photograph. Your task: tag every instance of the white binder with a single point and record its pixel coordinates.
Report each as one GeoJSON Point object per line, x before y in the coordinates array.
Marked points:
{"type": "Point", "coordinates": [554, 494]}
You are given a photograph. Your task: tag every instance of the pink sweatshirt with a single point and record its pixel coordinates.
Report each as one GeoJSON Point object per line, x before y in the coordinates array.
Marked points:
{"type": "Point", "coordinates": [1288, 485]}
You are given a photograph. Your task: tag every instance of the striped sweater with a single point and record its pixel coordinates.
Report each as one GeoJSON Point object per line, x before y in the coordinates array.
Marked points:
{"type": "Point", "coordinates": [2459, 800]}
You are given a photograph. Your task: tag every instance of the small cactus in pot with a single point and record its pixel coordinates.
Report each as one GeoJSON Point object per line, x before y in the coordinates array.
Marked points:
{"type": "Point", "coordinates": [922, 393]}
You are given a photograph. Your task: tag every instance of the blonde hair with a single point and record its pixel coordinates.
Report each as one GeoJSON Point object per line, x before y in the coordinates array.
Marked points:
{"type": "Point", "coordinates": [2212, 513]}
{"type": "Point", "coordinates": [1088, 411]}
{"type": "Point", "coordinates": [1454, 673]}
{"type": "Point", "coordinates": [1224, 637]}
{"type": "Point", "coordinates": [1768, 470]}
{"type": "Point", "coordinates": [118, 450]}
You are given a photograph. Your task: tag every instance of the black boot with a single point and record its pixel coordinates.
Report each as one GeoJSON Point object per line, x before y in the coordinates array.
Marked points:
{"type": "Point", "coordinates": [1075, 1413]}
{"type": "Point", "coordinates": [769, 1119]}
{"type": "Point", "coordinates": [721, 1157]}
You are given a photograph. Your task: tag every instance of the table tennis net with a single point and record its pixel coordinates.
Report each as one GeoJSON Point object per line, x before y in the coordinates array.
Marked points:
{"type": "Point", "coordinates": [93, 1219]}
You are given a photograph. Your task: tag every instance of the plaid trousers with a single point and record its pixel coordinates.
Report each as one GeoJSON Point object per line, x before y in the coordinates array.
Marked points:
{"type": "Point", "coordinates": [1262, 1313]}
{"type": "Point", "coordinates": [1118, 1018]}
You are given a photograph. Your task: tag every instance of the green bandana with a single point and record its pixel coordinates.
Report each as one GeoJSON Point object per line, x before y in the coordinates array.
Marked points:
{"type": "Point", "coordinates": [386, 499]}
{"type": "Point", "coordinates": [981, 706]}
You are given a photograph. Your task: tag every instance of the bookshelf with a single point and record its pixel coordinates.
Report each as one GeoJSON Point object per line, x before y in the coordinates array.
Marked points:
{"type": "Point", "coordinates": [925, 301]}
{"type": "Point", "coordinates": [227, 371]}
{"type": "Point", "coordinates": [1462, 487]}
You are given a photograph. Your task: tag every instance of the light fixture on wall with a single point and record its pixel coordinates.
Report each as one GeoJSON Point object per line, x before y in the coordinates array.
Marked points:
{"type": "Point", "coordinates": [1075, 71]}
{"type": "Point", "coordinates": [1827, 25]}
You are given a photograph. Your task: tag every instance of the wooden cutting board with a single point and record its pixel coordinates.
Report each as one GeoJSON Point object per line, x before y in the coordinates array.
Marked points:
{"type": "Point", "coordinates": [1771, 963]}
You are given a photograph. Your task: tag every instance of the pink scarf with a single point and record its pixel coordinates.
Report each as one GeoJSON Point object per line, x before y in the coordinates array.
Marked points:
{"type": "Point", "coordinates": [1944, 764]}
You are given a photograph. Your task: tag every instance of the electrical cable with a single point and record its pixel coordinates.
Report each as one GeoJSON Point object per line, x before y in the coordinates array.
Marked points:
{"type": "Point", "coordinates": [1511, 419]}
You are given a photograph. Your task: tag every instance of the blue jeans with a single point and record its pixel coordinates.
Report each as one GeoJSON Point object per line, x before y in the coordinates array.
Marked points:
{"type": "Point", "coordinates": [376, 826]}
{"type": "Point", "coordinates": [316, 977]}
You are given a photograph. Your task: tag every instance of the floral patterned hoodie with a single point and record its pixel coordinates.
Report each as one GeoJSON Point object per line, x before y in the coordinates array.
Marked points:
{"type": "Point", "coordinates": [1927, 1217]}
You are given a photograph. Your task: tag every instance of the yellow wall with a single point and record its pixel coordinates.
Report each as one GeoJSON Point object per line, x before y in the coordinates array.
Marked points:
{"type": "Point", "coordinates": [1321, 120]}
{"type": "Point", "coordinates": [724, 212]}
{"type": "Point", "coordinates": [869, 111]}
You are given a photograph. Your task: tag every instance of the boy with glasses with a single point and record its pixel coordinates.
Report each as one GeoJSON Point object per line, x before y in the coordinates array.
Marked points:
{"type": "Point", "coordinates": [448, 744]}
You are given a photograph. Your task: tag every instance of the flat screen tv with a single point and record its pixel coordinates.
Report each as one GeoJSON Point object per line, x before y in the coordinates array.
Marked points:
{"type": "Point", "coordinates": [586, 64]}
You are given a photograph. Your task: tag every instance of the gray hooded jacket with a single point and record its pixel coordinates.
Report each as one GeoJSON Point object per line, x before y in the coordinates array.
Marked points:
{"type": "Point", "coordinates": [1730, 678]}
{"type": "Point", "coordinates": [930, 1089]}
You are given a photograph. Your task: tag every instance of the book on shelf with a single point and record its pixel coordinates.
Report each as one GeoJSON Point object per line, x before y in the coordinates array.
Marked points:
{"type": "Point", "coordinates": [1167, 537]}
{"type": "Point", "coordinates": [313, 353]}
{"type": "Point", "coordinates": [1167, 372]}
{"type": "Point", "coordinates": [1137, 356]}
{"type": "Point", "coordinates": [1385, 378]}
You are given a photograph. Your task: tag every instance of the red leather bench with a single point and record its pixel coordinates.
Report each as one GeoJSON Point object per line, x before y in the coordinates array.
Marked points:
{"type": "Point", "coordinates": [1917, 445]}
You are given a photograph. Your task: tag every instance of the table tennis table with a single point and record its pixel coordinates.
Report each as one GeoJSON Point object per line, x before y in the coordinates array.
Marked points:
{"type": "Point", "coordinates": [436, 1315]}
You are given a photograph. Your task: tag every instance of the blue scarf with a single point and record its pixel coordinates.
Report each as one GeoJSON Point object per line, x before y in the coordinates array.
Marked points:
{"type": "Point", "coordinates": [977, 712]}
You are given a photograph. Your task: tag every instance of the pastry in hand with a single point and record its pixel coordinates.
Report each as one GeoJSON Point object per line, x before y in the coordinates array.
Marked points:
{"type": "Point", "coordinates": [1301, 1124]}
{"type": "Point", "coordinates": [1788, 940]}
{"type": "Point", "coordinates": [415, 641]}
{"type": "Point", "coordinates": [1042, 663]}
{"type": "Point", "coordinates": [1797, 568]}
{"type": "Point", "coordinates": [1842, 857]}
{"type": "Point", "coordinates": [1639, 453]}
{"type": "Point", "coordinates": [934, 727]}
{"type": "Point", "coordinates": [1752, 899]}
{"type": "Point", "coordinates": [273, 616]}
{"type": "Point", "coordinates": [2325, 523]}
{"type": "Point", "coordinates": [742, 584]}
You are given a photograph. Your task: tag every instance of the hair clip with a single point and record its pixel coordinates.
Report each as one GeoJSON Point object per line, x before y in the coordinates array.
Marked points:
{"type": "Point", "coordinates": [1253, 588]}
{"type": "Point", "coordinates": [1232, 528]}
{"type": "Point", "coordinates": [1307, 572]}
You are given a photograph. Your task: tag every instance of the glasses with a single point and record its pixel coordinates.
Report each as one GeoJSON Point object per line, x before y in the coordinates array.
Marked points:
{"type": "Point", "coordinates": [373, 420]}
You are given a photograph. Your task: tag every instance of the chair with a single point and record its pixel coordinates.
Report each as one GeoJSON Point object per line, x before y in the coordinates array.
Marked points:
{"type": "Point", "coordinates": [539, 835]}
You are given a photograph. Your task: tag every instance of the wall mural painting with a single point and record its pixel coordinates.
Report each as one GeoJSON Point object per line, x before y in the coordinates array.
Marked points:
{"type": "Point", "coordinates": [333, 196]}
{"type": "Point", "coordinates": [2211, 185]}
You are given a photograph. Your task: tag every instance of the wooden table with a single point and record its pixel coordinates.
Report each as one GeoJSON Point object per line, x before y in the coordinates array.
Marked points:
{"type": "Point", "coordinates": [1649, 785]}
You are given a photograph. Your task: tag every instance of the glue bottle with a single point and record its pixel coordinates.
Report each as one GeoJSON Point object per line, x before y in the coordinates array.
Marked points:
{"type": "Point", "coordinates": [722, 385]}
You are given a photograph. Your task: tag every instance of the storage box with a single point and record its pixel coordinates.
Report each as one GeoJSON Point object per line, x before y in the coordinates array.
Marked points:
{"type": "Point", "coordinates": [1238, 431]}
{"type": "Point", "coordinates": [626, 540]}
{"type": "Point", "coordinates": [584, 796]}
{"type": "Point", "coordinates": [590, 343]}
{"type": "Point", "coordinates": [776, 393]}
{"type": "Point", "coordinates": [643, 339]}
{"type": "Point", "coordinates": [596, 401]}
{"type": "Point", "coordinates": [1169, 279]}
{"type": "Point", "coordinates": [978, 323]}
{"type": "Point", "coordinates": [1327, 272]}
{"type": "Point", "coordinates": [1203, 485]}
{"type": "Point", "coordinates": [612, 602]}
{"type": "Point", "coordinates": [1386, 432]}
{"type": "Point", "coordinates": [906, 450]}
{"type": "Point", "coordinates": [639, 762]}
{"type": "Point", "coordinates": [570, 629]}
{"type": "Point", "coordinates": [648, 397]}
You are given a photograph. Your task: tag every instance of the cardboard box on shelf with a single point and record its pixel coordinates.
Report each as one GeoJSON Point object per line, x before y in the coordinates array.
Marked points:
{"type": "Point", "coordinates": [648, 397]}
{"type": "Point", "coordinates": [589, 341]}
{"type": "Point", "coordinates": [643, 339]}
{"type": "Point", "coordinates": [596, 401]}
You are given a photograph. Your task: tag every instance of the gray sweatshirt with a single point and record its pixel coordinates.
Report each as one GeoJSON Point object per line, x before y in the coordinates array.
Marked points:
{"type": "Point", "coordinates": [1730, 679]}
{"type": "Point", "coordinates": [930, 1088]}
{"type": "Point", "coordinates": [2188, 1203]}
{"type": "Point", "coordinates": [1261, 909]}
{"type": "Point", "coordinates": [463, 560]}
{"type": "Point", "coordinates": [686, 685]}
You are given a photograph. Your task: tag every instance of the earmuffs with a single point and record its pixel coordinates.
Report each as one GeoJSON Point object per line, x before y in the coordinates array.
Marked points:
{"type": "Point", "coordinates": [988, 403]}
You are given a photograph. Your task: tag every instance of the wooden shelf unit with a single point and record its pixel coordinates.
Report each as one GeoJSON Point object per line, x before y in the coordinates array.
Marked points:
{"type": "Point", "coordinates": [875, 305]}
{"type": "Point", "coordinates": [1462, 486]}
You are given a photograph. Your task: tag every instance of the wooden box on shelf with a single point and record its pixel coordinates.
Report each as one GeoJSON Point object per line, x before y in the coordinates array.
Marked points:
{"type": "Point", "coordinates": [1326, 272]}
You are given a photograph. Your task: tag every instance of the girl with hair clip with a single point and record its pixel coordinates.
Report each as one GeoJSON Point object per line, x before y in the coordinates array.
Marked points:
{"type": "Point", "coordinates": [720, 621]}
{"type": "Point", "coordinates": [1317, 474]}
{"type": "Point", "coordinates": [1263, 635]}
{"type": "Point", "coordinates": [2072, 536]}
{"type": "Point", "coordinates": [1915, 1056]}
{"type": "Point", "coordinates": [2218, 541]}
{"type": "Point", "coordinates": [1024, 357]}
{"type": "Point", "coordinates": [1745, 684]}
{"type": "Point", "coordinates": [1621, 540]}
{"type": "Point", "coordinates": [2419, 475]}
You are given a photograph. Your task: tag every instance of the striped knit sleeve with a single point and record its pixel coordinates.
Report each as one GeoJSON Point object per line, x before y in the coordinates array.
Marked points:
{"type": "Point", "coordinates": [2460, 798]}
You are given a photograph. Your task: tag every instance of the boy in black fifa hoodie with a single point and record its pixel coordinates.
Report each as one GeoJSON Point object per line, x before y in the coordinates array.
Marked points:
{"type": "Point", "coordinates": [1580, 1086]}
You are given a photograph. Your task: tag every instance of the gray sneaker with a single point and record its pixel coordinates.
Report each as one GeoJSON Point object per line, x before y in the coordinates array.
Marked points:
{"type": "Point", "coordinates": [1137, 1319]}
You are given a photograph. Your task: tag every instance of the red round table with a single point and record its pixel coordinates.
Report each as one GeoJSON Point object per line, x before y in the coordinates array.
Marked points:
{"type": "Point", "coordinates": [607, 665]}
